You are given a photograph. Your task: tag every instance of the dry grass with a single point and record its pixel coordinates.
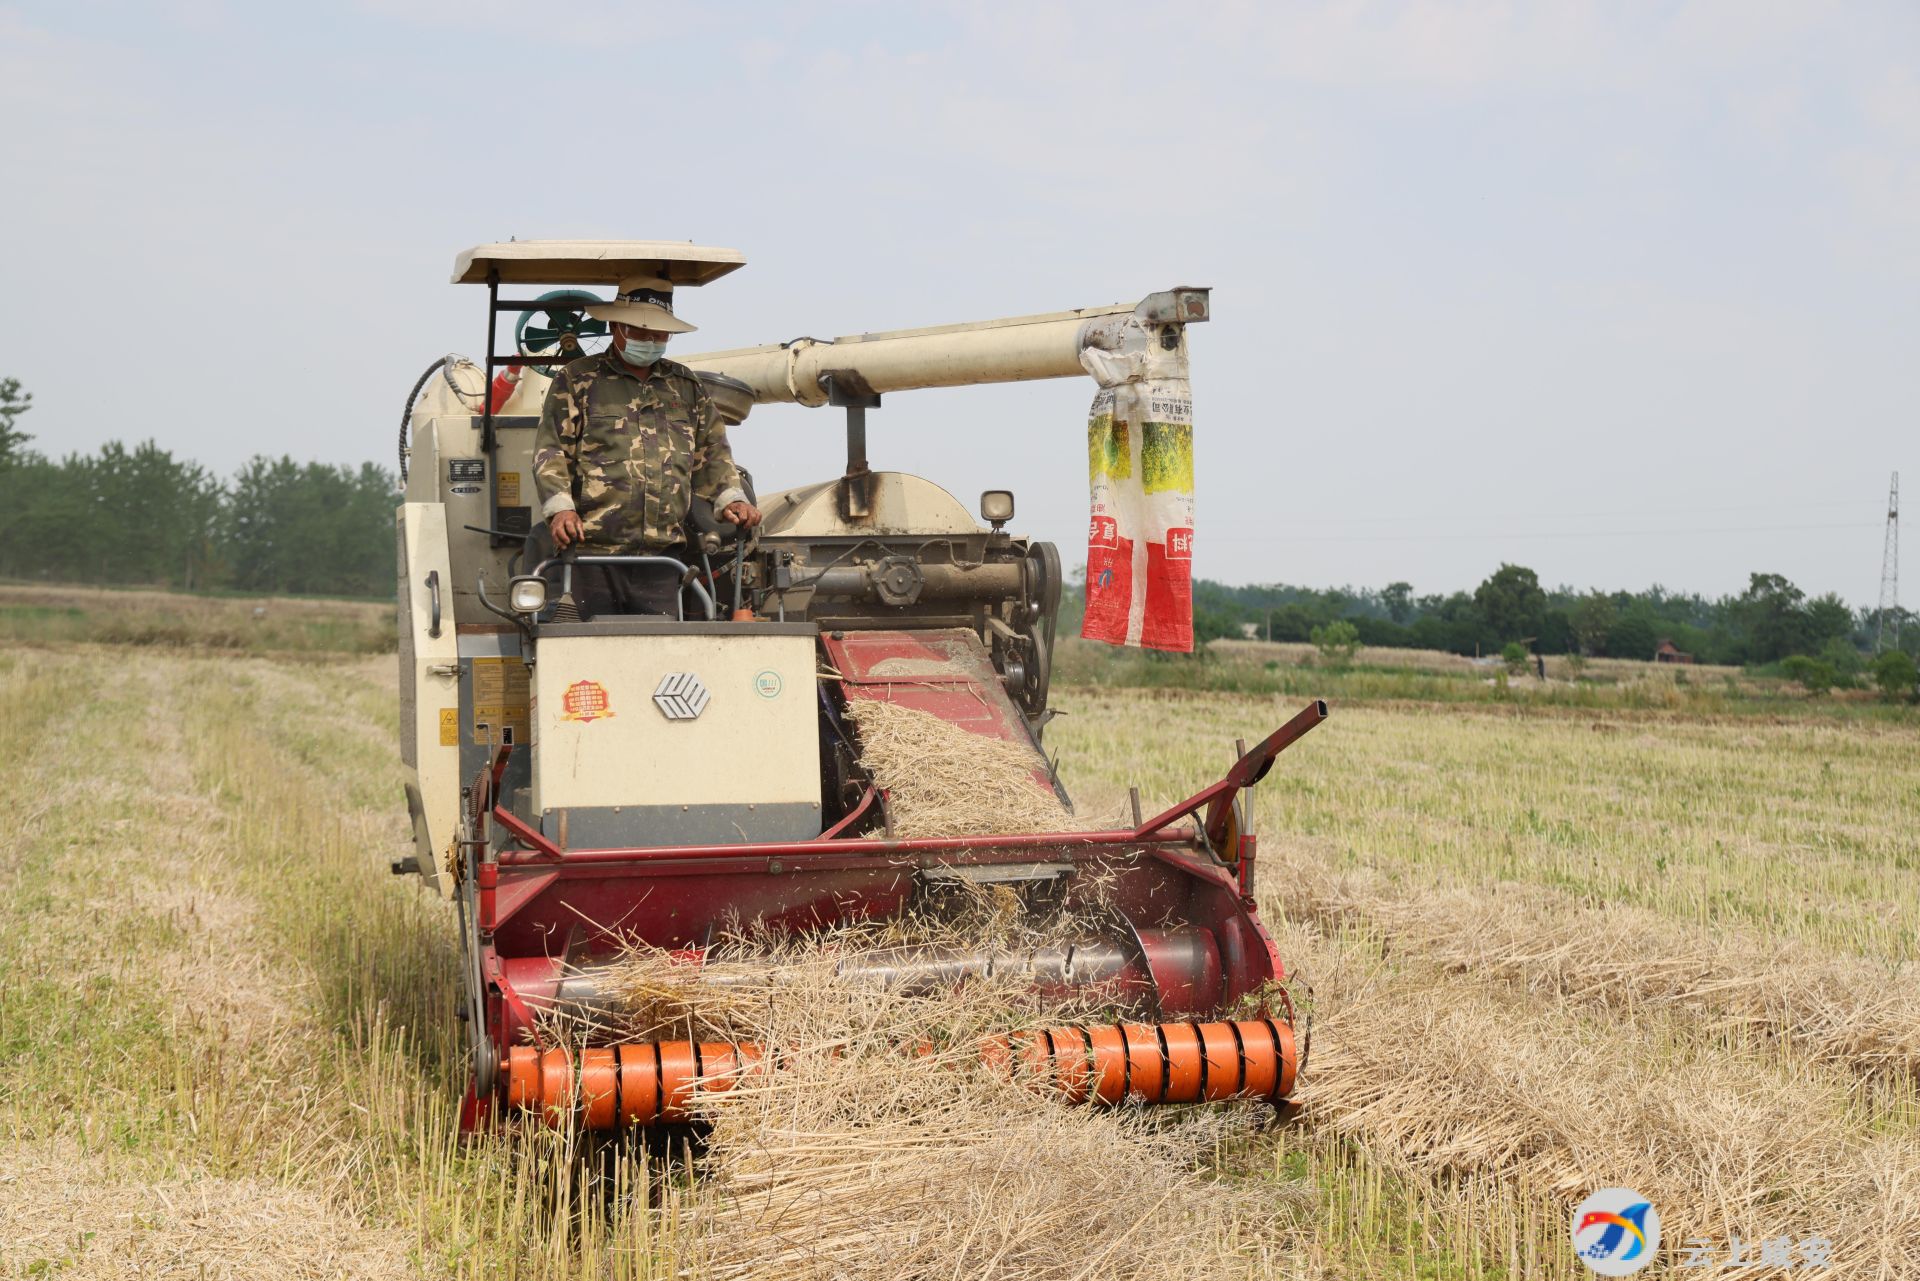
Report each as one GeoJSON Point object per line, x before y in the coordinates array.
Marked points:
{"type": "Point", "coordinates": [943, 780]}
{"type": "Point", "coordinates": [1531, 937]}
{"type": "Point", "coordinates": [755, 982]}
{"type": "Point", "coordinates": [1426, 677]}
{"type": "Point", "coordinates": [1466, 1083]}
{"type": "Point", "coordinates": [50, 614]}
{"type": "Point", "coordinates": [1301, 654]}
{"type": "Point", "coordinates": [1551, 955]}
{"type": "Point", "coordinates": [73, 1211]}
{"type": "Point", "coordinates": [884, 1148]}
{"type": "Point", "coordinates": [1850, 1012]}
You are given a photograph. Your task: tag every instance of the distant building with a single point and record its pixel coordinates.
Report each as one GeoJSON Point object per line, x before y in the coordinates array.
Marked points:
{"type": "Point", "coordinates": [1670, 653]}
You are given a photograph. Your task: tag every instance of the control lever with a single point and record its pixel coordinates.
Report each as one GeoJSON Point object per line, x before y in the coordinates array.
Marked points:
{"type": "Point", "coordinates": [739, 560]}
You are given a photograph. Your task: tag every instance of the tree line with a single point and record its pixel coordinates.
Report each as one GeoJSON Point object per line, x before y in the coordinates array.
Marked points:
{"type": "Point", "coordinates": [142, 516]}
{"type": "Point", "coordinates": [139, 515]}
{"type": "Point", "coordinates": [1770, 621]}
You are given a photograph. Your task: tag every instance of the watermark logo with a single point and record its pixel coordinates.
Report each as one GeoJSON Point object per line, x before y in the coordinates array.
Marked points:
{"type": "Point", "coordinates": [1616, 1232]}
{"type": "Point", "coordinates": [1812, 1253]}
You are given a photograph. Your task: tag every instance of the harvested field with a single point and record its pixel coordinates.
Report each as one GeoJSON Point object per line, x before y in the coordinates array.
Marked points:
{"type": "Point", "coordinates": [1550, 949]}
{"type": "Point", "coordinates": [32, 614]}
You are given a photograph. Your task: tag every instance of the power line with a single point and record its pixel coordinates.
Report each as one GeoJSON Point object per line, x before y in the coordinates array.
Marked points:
{"type": "Point", "coordinates": [1890, 572]}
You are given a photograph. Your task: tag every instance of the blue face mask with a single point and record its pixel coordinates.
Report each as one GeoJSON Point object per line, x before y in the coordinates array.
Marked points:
{"type": "Point", "coordinates": [642, 354]}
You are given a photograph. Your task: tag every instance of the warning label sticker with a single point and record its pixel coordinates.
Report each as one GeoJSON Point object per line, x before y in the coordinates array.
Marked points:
{"type": "Point", "coordinates": [508, 485]}
{"type": "Point", "coordinates": [449, 727]}
{"type": "Point", "coordinates": [499, 700]}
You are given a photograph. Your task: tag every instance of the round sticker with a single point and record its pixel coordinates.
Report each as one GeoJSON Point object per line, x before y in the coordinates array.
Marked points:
{"type": "Point", "coordinates": [768, 684]}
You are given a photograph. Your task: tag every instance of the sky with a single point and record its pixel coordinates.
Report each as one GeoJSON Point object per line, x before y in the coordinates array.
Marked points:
{"type": "Point", "coordinates": [1625, 292]}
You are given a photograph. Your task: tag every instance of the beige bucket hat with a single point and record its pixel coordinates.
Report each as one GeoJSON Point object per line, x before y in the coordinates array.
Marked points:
{"type": "Point", "coordinates": [646, 302]}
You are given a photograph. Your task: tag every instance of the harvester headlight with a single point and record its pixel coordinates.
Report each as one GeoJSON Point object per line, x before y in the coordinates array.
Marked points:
{"type": "Point", "coordinates": [527, 594]}
{"type": "Point", "coordinates": [996, 507]}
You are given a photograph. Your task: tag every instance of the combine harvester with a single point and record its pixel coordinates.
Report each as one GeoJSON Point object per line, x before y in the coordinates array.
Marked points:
{"type": "Point", "coordinates": [578, 787]}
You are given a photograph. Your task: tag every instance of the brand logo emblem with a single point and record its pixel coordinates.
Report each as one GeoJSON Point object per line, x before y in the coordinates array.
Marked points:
{"type": "Point", "coordinates": [680, 696]}
{"type": "Point", "coordinates": [585, 701]}
{"type": "Point", "coordinates": [768, 684]}
{"type": "Point", "coordinates": [1616, 1232]}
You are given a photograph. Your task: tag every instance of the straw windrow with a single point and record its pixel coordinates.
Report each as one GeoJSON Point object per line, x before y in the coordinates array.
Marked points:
{"type": "Point", "coordinates": [1849, 1011]}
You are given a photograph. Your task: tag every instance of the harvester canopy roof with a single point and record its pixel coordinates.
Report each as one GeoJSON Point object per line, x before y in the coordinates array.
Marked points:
{"type": "Point", "coordinates": [595, 262]}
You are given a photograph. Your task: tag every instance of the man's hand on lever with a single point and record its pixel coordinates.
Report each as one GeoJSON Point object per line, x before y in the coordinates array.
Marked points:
{"type": "Point", "coordinates": [566, 529]}
{"type": "Point", "coordinates": [740, 512]}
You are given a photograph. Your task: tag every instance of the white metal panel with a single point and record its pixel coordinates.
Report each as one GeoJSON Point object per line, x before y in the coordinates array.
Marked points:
{"type": "Point", "coordinates": [429, 682]}
{"type": "Point", "coordinates": [756, 740]}
{"type": "Point", "coordinates": [901, 503]}
{"type": "Point", "coordinates": [448, 469]}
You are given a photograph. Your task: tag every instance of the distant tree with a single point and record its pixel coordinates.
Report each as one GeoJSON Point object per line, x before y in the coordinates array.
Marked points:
{"type": "Point", "coordinates": [1382, 631]}
{"type": "Point", "coordinates": [1514, 655]}
{"type": "Point", "coordinates": [1829, 618]}
{"type": "Point", "coordinates": [1632, 637]}
{"type": "Point", "coordinates": [1556, 633]}
{"type": "Point", "coordinates": [13, 403]}
{"type": "Point", "coordinates": [1293, 622]}
{"type": "Point", "coordinates": [1511, 602]}
{"type": "Point", "coordinates": [1337, 641]}
{"type": "Point", "coordinates": [152, 516]}
{"type": "Point", "coordinates": [1398, 598]}
{"type": "Point", "coordinates": [290, 527]}
{"type": "Point", "coordinates": [1896, 674]}
{"type": "Point", "coordinates": [15, 485]}
{"type": "Point", "coordinates": [1773, 612]}
{"type": "Point", "coordinates": [1592, 620]}
{"type": "Point", "coordinates": [1212, 625]}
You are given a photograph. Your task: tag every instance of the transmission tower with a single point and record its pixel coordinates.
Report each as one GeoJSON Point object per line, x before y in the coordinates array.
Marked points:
{"type": "Point", "coordinates": [1890, 572]}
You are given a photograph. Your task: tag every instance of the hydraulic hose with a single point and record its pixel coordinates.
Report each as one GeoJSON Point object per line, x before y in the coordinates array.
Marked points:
{"type": "Point", "coordinates": [406, 415]}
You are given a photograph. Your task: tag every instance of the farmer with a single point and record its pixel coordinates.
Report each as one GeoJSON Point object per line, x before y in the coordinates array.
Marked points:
{"type": "Point", "coordinates": [627, 440]}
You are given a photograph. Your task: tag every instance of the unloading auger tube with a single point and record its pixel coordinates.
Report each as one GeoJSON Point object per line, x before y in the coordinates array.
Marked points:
{"type": "Point", "coordinates": [1014, 349]}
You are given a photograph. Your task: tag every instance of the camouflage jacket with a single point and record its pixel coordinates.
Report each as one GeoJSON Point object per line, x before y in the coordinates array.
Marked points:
{"type": "Point", "coordinates": [630, 453]}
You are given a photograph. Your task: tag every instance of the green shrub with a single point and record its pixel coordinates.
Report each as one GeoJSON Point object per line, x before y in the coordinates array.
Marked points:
{"type": "Point", "coordinates": [1811, 674]}
{"type": "Point", "coordinates": [1847, 662]}
{"type": "Point", "coordinates": [1337, 641]}
{"type": "Point", "coordinates": [1896, 675]}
